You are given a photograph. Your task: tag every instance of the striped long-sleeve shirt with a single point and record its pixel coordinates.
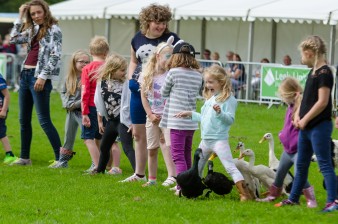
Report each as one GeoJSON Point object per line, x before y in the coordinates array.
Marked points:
{"type": "Point", "coordinates": [181, 88]}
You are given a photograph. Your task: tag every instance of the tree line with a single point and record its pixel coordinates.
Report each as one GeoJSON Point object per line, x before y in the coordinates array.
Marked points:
{"type": "Point", "coordinates": [13, 5]}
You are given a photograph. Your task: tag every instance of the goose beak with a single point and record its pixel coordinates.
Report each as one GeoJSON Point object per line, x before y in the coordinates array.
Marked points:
{"type": "Point", "coordinates": [262, 140]}
{"type": "Point", "coordinates": [212, 157]}
{"type": "Point", "coordinates": [241, 156]}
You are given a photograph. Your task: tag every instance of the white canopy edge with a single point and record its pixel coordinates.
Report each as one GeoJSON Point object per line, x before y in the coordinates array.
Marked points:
{"type": "Point", "coordinates": [302, 11]}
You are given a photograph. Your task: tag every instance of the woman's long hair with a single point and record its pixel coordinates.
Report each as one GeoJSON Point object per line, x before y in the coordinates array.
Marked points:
{"type": "Point", "coordinates": [49, 20]}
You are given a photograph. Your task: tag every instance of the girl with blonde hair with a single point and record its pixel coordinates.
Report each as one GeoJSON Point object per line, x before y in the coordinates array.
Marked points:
{"type": "Point", "coordinates": [110, 79]}
{"type": "Point", "coordinates": [216, 117]}
{"type": "Point", "coordinates": [71, 101]}
{"type": "Point", "coordinates": [153, 75]}
{"type": "Point", "coordinates": [313, 118]}
{"type": "Point", "coordinates": [291, 93]}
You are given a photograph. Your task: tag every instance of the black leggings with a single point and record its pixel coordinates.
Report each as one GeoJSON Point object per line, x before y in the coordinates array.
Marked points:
{"type": "Point", "coordinates": [127, 144]}
{"type": "Point", "coordinates": [112, 129]}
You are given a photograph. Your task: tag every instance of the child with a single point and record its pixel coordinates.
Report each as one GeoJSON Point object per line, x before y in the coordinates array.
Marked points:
{"type": "Point", "coordinates": [99, 49]}
{"type": "Point", "coordinates": [4, 102]}
{"type": "Point", "coordinates": [313, 118]}
{"type": "Point", "coordinates": [71, 101]}
{"type": "Point", "coordinates": [217, 115]}
{"type": "Point", "coordinates": [111, 77]}
{"type": "Point", "coordinates": [153, 76]}
{"type": "Point", "coordinates": [290, 92]}
{"type": "Point", "coordinates": [181, 88]}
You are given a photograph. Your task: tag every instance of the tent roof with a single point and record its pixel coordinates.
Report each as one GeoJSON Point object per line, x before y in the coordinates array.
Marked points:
{"type": "Point", "coordinates": [131, 9]}
{"type": "Point", "coordinates": [297, 10]}
{"type": "Point", "coordinates": [83, 9]}
{"type": "Point", "coordinates": [218, 10]}
{"type": "Point", "coordinates": [323, 11]}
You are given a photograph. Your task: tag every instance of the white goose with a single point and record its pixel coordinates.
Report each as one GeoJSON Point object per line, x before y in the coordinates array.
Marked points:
{"type": "Point", "coordinates": [265, 175]}
{"type": "Point", "coordinates": [335, 151]}
{"type": "Point", "coordinates": [243, 167]}
{"type": "Point", "coordinates": [273, 161]}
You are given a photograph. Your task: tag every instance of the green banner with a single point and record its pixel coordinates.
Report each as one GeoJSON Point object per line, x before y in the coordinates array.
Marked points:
{"type": "Point", "coordinates": [271, 77]}
{"type": "Point", "coordinates": [3, 65]}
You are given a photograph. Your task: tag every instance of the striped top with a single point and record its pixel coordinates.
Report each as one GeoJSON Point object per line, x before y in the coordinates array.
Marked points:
{"type": "Point", "coordinates": [181, 88]}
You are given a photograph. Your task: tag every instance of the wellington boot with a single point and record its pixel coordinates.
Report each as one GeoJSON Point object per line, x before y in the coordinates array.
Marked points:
{"type": "Point", "coordinates": [243, 191]}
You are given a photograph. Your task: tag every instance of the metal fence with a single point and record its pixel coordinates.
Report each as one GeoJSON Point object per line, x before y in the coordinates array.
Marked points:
{"type": "Point", "coordinates": [248, 92]}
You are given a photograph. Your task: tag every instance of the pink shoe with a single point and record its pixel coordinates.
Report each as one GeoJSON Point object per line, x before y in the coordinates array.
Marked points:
{"type": "Point", "coordinates": [274, 192]}
{"type": "Point", "coordinates": [309, 194]}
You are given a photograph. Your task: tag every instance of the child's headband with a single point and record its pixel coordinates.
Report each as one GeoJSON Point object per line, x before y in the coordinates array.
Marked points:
{"type": "Point", "coordinates": [169, 43]}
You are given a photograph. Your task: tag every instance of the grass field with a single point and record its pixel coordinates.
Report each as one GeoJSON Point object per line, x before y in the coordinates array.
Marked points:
{"type": "Point", "coordinates": [38, 194]}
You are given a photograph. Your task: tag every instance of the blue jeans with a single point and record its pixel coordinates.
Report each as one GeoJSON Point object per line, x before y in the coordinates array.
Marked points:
{"type": "Point", "coordinates": [27, 98]}
{"type": "Point", "coordinates": [315, 140]}
{"type": "Point", "coordinates": [287, 160]}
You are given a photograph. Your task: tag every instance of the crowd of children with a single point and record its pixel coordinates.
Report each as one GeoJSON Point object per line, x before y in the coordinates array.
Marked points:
{"type": "Point", "coordinates": [159, 111]}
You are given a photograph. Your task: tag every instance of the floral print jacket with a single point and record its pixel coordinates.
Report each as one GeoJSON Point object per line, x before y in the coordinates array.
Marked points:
{"type": "Point", "coordinates": [50, 46]}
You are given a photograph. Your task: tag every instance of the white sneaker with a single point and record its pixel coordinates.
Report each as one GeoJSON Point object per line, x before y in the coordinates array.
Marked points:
{"type": "Point", "coordinates": [134, 178]}
{"type": "Point", "coordinates": [173, 188]}
{"type": "Point", "coordinates": [21, 162]}
{"type": "Point", "coordinates": [169, 181]}
{"type": "Point", "coordinates": [90, 169]}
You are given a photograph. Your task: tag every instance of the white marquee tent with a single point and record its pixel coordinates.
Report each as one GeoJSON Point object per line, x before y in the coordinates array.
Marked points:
{"type": "Point", "coordinates": [254, 29]}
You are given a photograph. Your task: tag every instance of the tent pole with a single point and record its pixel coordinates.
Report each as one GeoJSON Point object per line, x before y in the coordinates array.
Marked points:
{"type": "Point", "coordinates": [203, 33]}
{"type": "Point", "coordinates": [250, 50]}
{"type": "Point", "coordinates": [273, 41]}
{"type": "Point", "coordinates": [107, 30]}
{"type": "Point", "coordinates": [332, 44]}
{"type": "Point", "coordinates": [177, 27]}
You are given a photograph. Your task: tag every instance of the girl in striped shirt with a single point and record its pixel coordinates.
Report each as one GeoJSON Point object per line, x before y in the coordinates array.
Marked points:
{"type": "Point", "coordinates": [181, 88]}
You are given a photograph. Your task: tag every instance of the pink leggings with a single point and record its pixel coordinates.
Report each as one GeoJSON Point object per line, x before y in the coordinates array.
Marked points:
{"type": "Point", "coordinates": [181, 142]}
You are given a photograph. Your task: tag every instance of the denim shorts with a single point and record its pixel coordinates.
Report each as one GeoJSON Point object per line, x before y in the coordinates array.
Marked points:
{"type": "Point", "coordinates": [137, 112]}
{"type": "Point", "coordinates": [92, 131]}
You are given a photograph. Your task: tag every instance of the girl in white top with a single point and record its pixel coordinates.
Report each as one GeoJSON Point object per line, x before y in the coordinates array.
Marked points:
{"type": "Point", "coordinates": [151, 80]}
